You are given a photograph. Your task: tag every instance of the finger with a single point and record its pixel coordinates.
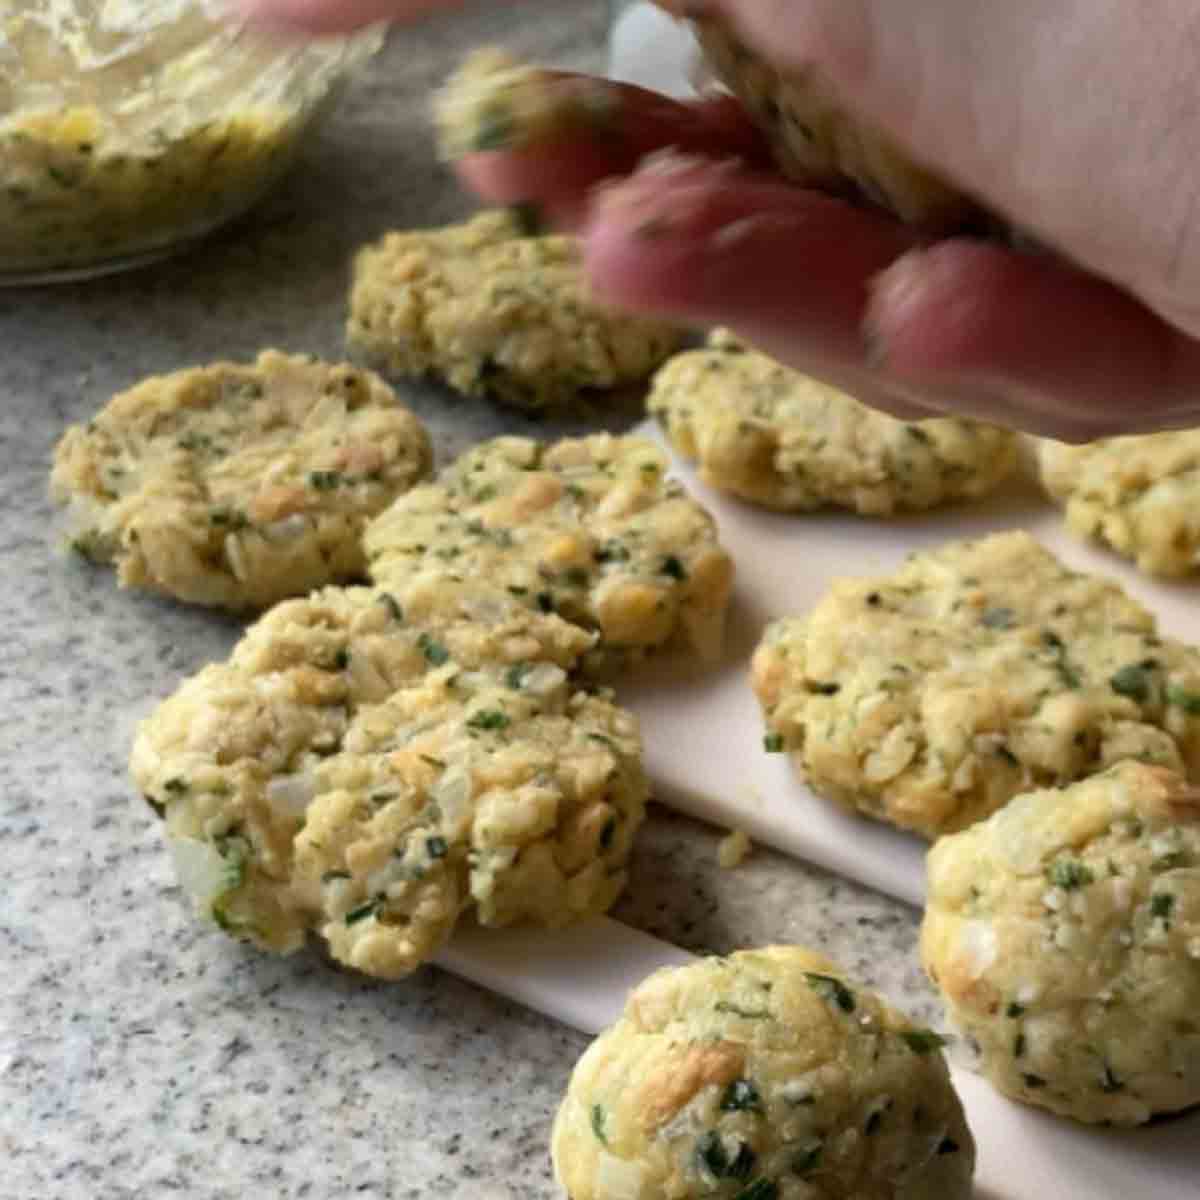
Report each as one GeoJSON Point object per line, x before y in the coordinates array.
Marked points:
{"type": "Point", "coordinates": [715, 243]}
{"type": "Point", "coordinates": [558, 176]}
{"type": "Point", "coordinates": [789, 270]}
{"type": "Point", "coordinates": [334, 16]}
{"type": "Point", "coordinates": [1029, 341]}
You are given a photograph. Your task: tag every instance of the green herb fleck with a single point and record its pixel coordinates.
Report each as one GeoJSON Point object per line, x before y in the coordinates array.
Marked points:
{"type": "Point", "coordinates": [392, 605]}
{"type": "Point", "coordinates": [806, 1160]}
{"type": "Point", "coordinates": [998, 618]}
{"type": "Point", "coordinates": [1014, 1010]}
{"type": "Point", "coordinates": [773, 743]}
{"type": "Point", "coordinates": [363, 911]}
{"type": "Point", "coordinates": [599, 1120]}
{"type": "Point", "coordinates": [1110, 1084]}
{"type": "Point", "coordinates": [545, 602]}
{"type": "Point", "coordinates": [608, 833]}
{"type": "Point", "coordinates": [713, 1156]}
{"type": "Point", "coordinates": [488, 718]}
{"type": "Point", "coordinates": [1069, 874]}
{"type": "Point", "coordinates": [324, 481]}
{"type": "Point", "coordinates": [831, 989]}
{"type": "Point", "coordinates": [439, 763]}
{"type": "Point", "coordinates": [1182, 698]}
{"type": "Point", "coordinates": [741, 1096]}
{"type": "Point", "coordinates": [922, 1041]}
{"type": "Point", "coordinates": [825, 689]}
{"type": "Point", "coordinates": [750, 1014]}
{"type": "Point", "coordinates": [494, 131]}
{"type": "Point", "coordinates": [1066, 672]}
{"type": "Point", "coordinates": [435, 653]}
{"type": "Point", "coordinates": [611, 551]}
{"type": "Point", "coordinates": [760, 1189]}
{"type": "Point", "coordinates": [576, 577]}
{"type": "Point", "coordinates": [176, 785]}
{"type": "Point", "coordinates": [341, 660]}
{"type": "Point", "coordinates": [672, 566]}
{"type": "Point", "coordinates": [514, 677]}
{"type": "Point", "coordinates": [1019, 1045]}
{"type": "Point", "coordinates": [1162, 904]}
{"type": "Point", "coordinates": [1133, 680]}
{"type": "Point", "coordinates": [436, 847]}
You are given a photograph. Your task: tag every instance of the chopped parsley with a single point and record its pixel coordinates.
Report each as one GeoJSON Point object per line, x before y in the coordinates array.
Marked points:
{"type": "Point", "coordinates": [608, 833]}
{"type": "Point", "coordinates": [392, 605]}
{"type": "Point", "coordinates": [576, 577]}
{"type": "Point", "coordinates": [1133, 680]}
{"type": "Point", "coordinates": [673, 567]}
{"type": "Point", "coordinates": [1069, 874]}
{"type": "Point", "coordinates": [599, 1121]}
{"type": "Point", "coordinates": [514, 677]}
{"type": "Point", "coordinates": [435, 653]}
{"type": "Point", "coordinates": [494, 130]}
{"type": "Point", "coordinates": [741, 1096]}
{"type": "Point", "coordinates": [436, 847]}
{"type": "Point", "coordinates": [363, 911]}
{"type": "Point", "coordinates": [760, 1189]}
{"type": "Point", "coordinates": [922, 1041]}
{"type": "Point", "coordinates": [611, 551]}
{"type": "Point", "coordinates": [1162, 905]}
{"type": "Point", "coordinates": [1015, 1010]}
{"type": "Point", "coordinates": [831, 989]}
{"type": "Point", "coordinates": [806, 1160]}
{"type": "Point", "coordinates": [545, 602]}
{"type": "Point", "coordinates": [1183, 698]}
{"type": "Point", "coordinates": [176, 785]}
{"type": "Point", "coordinates": [773, 743]}
{"type": "Point", "coordinates": [341, 660]}
{"type": "Point", "coordinates": [324, 481]}
{"type": "Point", "coordinates": [750, 1014]}
{"type": "Point", "coordinates": [488, 718]}
{"type": "Point", "coordinates": [1066, 672]}
{"type": "Point", "coordinates": [711, 1152]}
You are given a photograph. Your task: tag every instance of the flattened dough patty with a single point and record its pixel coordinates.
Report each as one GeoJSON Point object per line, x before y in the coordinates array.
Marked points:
{"type": "Point", "coordinates": [780, 439]}
{"type": "Point", "coordinates": [1064, 933]}
{"type": "Point", "coordinates": [590, 528]}
{"type": "Point", "coordinates": [239, 485]}
{"type": "Point", "coordinates": [1138, 495]}
{"type": "Point", "coordinates": [930, 697]}
{"type": "Point", "coordinates": [496, 312]}
{"type": "Point", "coordinates": [369, 764]}
{"type": "Point", "coordinates": [763, 1075]}
{"type": "Point", "coordinates": [817, 142]}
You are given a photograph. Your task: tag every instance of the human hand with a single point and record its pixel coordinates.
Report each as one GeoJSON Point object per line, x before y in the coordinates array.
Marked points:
{"type": "Point", "coordinates": [1004, 100]}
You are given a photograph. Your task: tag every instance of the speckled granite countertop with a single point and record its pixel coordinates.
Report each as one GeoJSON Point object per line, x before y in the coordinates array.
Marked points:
{"type": "Point", "coordinates": [142, 1055]}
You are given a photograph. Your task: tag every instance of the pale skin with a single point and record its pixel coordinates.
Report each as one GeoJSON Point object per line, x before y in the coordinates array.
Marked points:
{"type": "Point", "coordinates": [1078, 120]}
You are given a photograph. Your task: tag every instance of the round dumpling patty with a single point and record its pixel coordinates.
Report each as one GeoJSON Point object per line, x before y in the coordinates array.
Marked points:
{"type": "Point", "coordinates": [1064, 933]}
{"type": "Point", "coordinates": [930, 697]}
{"type": "Point", "coordinates": [590, 528]}
{"type": "Point", "coordinates": [780, 439]}
{"type": "Point", "coordinates": [498, 312]}
{"type": "Point", "coordinates": [1138, 495]}
{"type": "Point", "coordinates": [764, 1075]}
{"type": "Point", "coordinates": [239, 485]}
{"type": "Point", "coordinates": [817, 142]}
{"type": "Point", "coordinates": [370, 763]}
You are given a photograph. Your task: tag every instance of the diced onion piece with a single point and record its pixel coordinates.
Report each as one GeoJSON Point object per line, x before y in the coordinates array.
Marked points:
{"type": "Point", "coordinates": [543, 679]}
{"type": "Point", "coordinates": [292, 794]}
{"type": "Point", "coordinates": [200, 870]}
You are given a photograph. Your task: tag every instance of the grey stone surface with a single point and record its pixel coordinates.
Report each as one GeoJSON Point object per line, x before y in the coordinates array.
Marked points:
{"type": "Point", "coordinates": [142, 1055]}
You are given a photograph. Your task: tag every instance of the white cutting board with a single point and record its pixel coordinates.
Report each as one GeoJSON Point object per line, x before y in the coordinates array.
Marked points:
{"type": "Point", "coordinates": [580, 976]}
{"type": "Point", "coordinates": [703, 729]}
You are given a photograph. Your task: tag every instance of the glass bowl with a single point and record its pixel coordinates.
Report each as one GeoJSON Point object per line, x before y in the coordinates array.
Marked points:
{"type": "Point", "coordinates": [131, 128]}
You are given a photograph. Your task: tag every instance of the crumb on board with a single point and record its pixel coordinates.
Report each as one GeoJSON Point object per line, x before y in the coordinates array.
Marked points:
{"type": "Point", "coordinates": [734, 849]}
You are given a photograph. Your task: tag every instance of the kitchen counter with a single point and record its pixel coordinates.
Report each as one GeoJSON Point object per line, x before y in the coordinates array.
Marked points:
{"type": "Point", "coordinates": [141, 1053]}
